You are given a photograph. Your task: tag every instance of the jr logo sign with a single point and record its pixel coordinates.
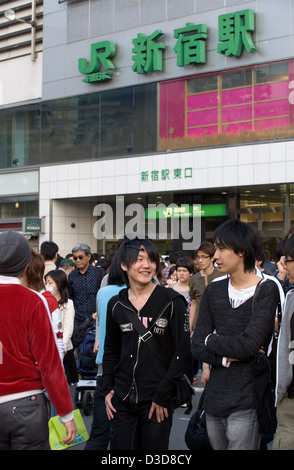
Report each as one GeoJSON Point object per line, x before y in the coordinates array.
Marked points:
{"type": "Point", "coordinates": [101, 54]}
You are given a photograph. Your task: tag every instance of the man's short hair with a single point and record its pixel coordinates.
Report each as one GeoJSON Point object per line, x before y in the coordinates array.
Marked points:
{"type": "Point", "coordinates": [82, 247]}
{"type": "Point", "coordinates": [241, 238]}
{"type": "Point", "coordinates": [67, 262]}
{"type": "Point", "coordinates": [174, 256]}
{"type": "Point", "coordinates": [207, 247]}
{"type": "Point", "coordinates": [289, 247]}
{"type": "Point", "coordinates": [48, 250]}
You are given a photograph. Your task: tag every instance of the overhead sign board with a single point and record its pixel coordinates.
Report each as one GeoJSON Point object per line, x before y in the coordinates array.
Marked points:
{"type": "Point", "coordinates": [195, 210]}
{"type": "Point", "coordinates": [32, 224]}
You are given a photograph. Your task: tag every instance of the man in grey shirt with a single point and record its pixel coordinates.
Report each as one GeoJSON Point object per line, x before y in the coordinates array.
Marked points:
{"type": "Point", "coordinates": [229, 333]}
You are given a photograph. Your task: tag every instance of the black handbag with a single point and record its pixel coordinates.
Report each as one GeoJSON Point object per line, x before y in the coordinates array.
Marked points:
{"type": "Point", "coordinates": [264, 394]}
{"type": "Point", "coordinates": [184, 394]}
{"type": "Point", "coordinates": [263, 388]}
{"type": "Point", "coordinates": [184, 389]}
{"type": "Point", "coordinates": [196, 437]}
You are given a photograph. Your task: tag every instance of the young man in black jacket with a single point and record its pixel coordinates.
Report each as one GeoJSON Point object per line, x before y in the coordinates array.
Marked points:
{"type": "Point", "coordinates": [139, 388]}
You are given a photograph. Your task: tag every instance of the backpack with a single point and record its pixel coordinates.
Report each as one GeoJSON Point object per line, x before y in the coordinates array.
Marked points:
{"type": "Point", "coordinates": [87, 358]}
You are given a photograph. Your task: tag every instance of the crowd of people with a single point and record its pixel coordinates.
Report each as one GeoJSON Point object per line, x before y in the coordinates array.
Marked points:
{"type": "Point", "coordinates": [211, 311]}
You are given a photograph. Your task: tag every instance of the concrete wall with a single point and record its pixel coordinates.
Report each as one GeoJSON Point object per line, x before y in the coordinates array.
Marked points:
{"type": "Point", "coordinates": [21, 80]}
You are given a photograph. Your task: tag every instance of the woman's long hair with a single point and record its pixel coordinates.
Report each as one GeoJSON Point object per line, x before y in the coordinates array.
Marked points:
{"type": "Point", "coordinates": [60, 278]}
{"type": "Point", "coordinates": [34, 275]}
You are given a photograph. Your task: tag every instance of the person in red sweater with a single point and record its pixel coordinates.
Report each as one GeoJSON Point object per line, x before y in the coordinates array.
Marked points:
{"type": "Point", "coordinates": [29, 359]}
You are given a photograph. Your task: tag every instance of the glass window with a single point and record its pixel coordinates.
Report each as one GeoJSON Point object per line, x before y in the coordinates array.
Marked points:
{"type": "Point", "coordinates": [99, 125]}
{"type": "Point", "coordinates": [235, 106]}
{"type": "Point", "coordinates": [272, 72]}
{"type": "Point", "coordinates": [232, 106]}
{"type": "Point", "coordinates": [18, 207]}
{"type": "Point", "coordinates": [23, 182]}
{"type": "Point", "coordinates": [237, 78]}
{"type": "Point", "coordinates": [202, 84]}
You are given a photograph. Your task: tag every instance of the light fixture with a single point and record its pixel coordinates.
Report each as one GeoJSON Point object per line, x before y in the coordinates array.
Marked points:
{"type": "Point", "coordinates": [10, 16]}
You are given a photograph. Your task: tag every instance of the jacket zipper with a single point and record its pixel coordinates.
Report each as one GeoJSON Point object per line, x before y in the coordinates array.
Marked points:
{"type": "Point", "coordinates": [133, 386]}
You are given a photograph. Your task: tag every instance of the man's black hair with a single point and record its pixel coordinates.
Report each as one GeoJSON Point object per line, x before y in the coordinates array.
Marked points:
{"type": "Point", "coordinates": [174, 256]}
{"type": "Point", "coordinates": [241, 238]}
{"type": "Point", "coordinates": [289, 248]}
{"type": "Point", "coordinates": [116, 274]}
{"type": "Point", "coordinates": [48, 250]}
{"type": "Point", "coordinates": [130, 249]}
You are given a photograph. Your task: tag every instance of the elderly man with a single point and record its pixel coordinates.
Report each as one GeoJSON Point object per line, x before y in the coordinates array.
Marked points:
{"type": "Point", "coordinates": [83, 284]}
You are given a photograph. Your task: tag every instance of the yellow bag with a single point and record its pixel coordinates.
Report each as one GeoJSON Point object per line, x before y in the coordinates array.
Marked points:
{"type": "Point", "coordinates": [57, 432]}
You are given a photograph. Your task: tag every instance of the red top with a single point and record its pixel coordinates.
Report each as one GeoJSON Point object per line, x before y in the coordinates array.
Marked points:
{"type": "Point", "coordinates": [30, 358]}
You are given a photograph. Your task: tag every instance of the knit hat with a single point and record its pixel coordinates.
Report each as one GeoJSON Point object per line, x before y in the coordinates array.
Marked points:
{"type": "Point", "coordinates": [15, 253]}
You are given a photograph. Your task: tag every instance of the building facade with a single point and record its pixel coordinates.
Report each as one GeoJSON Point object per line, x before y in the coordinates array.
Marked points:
{"type": "Point", "coordinates": [135, 114]}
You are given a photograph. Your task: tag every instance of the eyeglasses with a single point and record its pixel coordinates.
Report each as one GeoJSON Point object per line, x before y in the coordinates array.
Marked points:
{"type": "Point", "coordinates": [78, 257]}
{"type": "Point", "coordinates": [203, 257]}
{"type": "Point", "coordinates": [286, 261]}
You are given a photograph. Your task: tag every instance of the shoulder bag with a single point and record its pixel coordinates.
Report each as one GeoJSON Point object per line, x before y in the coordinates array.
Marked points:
{"type": "Point", "coordinates": [196, 437]}
{"type": "Point", "coordinates": [263, 388]}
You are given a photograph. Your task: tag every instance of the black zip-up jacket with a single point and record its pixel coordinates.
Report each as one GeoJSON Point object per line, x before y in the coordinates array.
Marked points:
{"type": "Point", "coordinates": [129, 363]}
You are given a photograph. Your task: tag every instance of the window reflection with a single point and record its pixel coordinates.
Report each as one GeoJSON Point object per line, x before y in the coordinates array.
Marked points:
{"type": "Point", "coordinates": [94, 126]}
{"type": "Point", "coordinates": [235, 106]}
{"type": "Point", "coordinates": [245, 105]}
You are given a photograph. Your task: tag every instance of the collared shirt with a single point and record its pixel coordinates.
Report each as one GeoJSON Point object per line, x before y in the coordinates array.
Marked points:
{"type": "Point", "coordinates": [49, 266]}
{"type": "Point", "coordinates": [83, 289]}
{"type": "Point", "coordinates": [165, 274]}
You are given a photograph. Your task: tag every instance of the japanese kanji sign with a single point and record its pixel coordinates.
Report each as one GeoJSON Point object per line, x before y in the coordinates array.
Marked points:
{"type": "Point", "coordinates": [234, 34]}
{"type": "Point", "coordinates": [166, 174]}
{"type": "Point", "coordinates": [148, 52]}
{"type": "Point", "coordinates": [190, 46]}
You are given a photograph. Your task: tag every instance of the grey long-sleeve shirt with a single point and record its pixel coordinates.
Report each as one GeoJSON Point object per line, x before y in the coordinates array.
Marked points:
{"type": "Point", "coordinates": [237, 333]}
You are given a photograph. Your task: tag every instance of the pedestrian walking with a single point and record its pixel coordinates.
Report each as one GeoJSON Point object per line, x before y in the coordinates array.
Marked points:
{"type": "Point", "coordinates": [230, 331]}
{"type": "Point", "coordinates": [57, 284]}
{"type": "Point", "coordinates": [100, 429]}
{"type": "Point", "coordinates": [83, 285]}
{"type": "Point", "coordinates": [284, 437]}
{"type": "Point", "coordinates": [30, 360]}
{"type": "Point", "coordinates": [138, 388]}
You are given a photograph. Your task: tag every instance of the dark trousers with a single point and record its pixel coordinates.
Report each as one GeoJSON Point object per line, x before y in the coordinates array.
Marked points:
{"type": "Point", "coordinates": [100, 431]}
{"type": "Point", "coordinates": [24, 424]}
{"type": "Point", "coordinates": [131, 429]}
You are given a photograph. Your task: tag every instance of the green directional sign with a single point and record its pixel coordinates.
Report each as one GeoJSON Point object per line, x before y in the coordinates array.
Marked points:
{"type": "Point", "coordinates": [195, 210]}
{"type": "Point", "coordinates": [32, 224]}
